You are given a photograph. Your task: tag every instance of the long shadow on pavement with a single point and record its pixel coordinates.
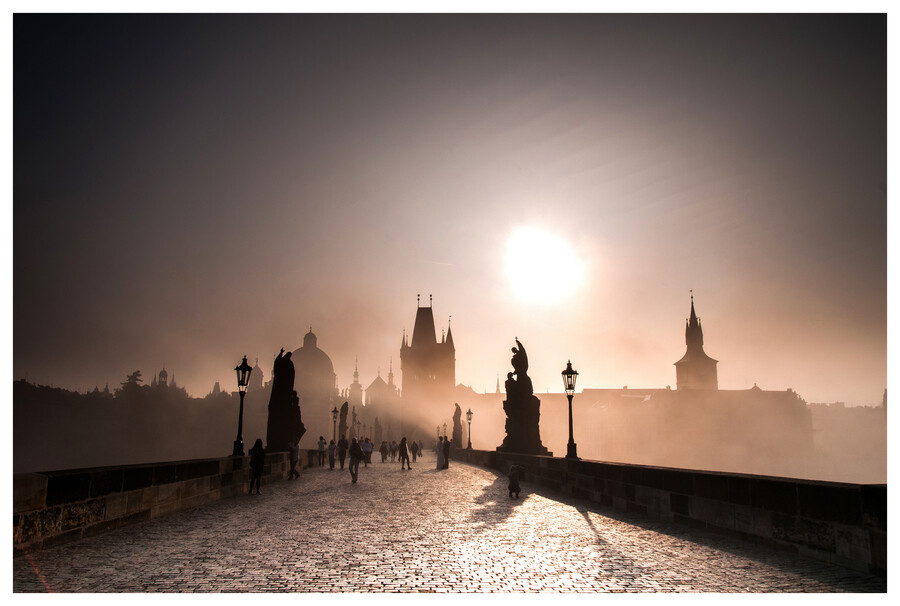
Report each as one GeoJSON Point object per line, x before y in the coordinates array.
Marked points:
{"type": "Point", "coordinates": [834, 575]}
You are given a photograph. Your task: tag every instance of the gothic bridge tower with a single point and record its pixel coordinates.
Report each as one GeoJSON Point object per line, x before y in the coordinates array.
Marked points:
{"type": "Point", "coordinates": [428, 366]}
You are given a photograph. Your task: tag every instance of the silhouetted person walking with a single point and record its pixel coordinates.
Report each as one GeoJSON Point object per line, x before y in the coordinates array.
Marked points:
{"type": "Point", "coordinates": [295, 458]}
{"type": "Point", "coordinates": [257, 461]}
{"type": "Point", "coordinates": [321, 445]}
{"type": "Point", "coordinates": [403, 453]}
{"type": "Point", "coordinates": [440, 453]}
{"type": "Point", "coordinates": [393, 450]}
{"type": "Point", "coordinates": [446, 453]}
{"type": "Point", "coordinates": [366, 447]}
{"type": "Point", "coordinates": [332, 449]}
{"type": "Point", "coordinates": [515, 473]}
{"type": "Point", "coordinates": [356, 455]}
{"type": "Point", "coordinates": [342, 450]}
{"type": "Point", "coordinates": [414, 448]}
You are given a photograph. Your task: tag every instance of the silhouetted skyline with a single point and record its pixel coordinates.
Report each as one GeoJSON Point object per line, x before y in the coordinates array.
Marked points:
{"type": "Point", "coordinates": [190, 189]}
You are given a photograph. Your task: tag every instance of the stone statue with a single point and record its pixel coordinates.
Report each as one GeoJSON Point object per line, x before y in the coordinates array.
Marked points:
{"type": "Point", "coordinates": [377, 432]}
{"type": "Point", "coordinates": [522, 408]}
{"type": "Point", "coordinates": [519, 362]}
{"type": "Point", "coordinates": [520, 359]}
{"type": "Point", "coordinates": [457, 427]}
{"type": "Point", "coordinates": [284, 426]}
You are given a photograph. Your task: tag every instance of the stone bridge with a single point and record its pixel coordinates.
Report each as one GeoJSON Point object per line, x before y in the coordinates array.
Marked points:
{"type": "Point", "coordinates": [578, 527]}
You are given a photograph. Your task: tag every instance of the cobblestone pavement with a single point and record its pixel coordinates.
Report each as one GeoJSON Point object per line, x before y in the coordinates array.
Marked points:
{"type": "Point", "coordinates": [451, 531]}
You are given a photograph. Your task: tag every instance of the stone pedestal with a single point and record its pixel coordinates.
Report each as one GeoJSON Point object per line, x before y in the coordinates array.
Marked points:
{"type": "Point", "coordinates": [523, 433]}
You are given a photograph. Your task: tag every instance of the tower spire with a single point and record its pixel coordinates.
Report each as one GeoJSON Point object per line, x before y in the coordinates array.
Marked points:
{"type": "Point", "coordinates": [449, 340]}
{"type": "Point", "coordinates": [693, 333]}
{"type": "Point", "coordinates": [695, 370]}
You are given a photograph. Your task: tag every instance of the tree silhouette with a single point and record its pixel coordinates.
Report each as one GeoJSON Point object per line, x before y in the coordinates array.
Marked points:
{"type": "Point", "coordinates": [132, 379]}
{"type": "Point", "coordinates": [130, 387]}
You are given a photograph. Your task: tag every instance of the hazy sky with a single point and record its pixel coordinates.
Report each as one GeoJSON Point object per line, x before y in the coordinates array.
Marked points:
{"type": "Point", "coordinates": [191, 189]}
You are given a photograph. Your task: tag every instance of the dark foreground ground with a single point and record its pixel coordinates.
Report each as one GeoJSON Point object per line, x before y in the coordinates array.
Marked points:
{"type": "Point", "coordinates": [451, 531]}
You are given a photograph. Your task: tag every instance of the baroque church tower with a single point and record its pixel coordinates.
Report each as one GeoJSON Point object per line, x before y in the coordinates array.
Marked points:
{"type": "Point", "coordinates": [355, 395]}
{"type": "Point", "coordinates": [695, 370]}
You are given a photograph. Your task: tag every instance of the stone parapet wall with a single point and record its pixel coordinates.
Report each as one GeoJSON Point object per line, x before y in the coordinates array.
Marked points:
{"type": "Point", "coordinates": [51, 508]}
{"type": "Point", "coordinates": [841, 523]}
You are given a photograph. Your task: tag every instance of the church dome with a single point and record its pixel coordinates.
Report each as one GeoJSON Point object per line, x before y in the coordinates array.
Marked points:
{"type": "Point", "coordinates": [314, 378]}
{"type": "Point", "coordinates": [310, 340]}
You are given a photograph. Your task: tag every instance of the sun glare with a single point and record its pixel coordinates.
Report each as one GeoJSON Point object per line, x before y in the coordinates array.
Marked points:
{"type": "Point", "coordinates": [541, 267]}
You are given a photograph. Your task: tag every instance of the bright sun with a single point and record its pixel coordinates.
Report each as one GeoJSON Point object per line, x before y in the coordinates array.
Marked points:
{"type": "Point", "coordinates": [542, 267]}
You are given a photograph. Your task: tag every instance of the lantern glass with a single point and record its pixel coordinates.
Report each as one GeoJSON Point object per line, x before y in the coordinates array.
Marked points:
{"type": "Point", "coordinates": [243, 375]}
{"type": "Point", "coordinates": [469, 415]}
{"type": "Point", "coordinates": [569, 375]}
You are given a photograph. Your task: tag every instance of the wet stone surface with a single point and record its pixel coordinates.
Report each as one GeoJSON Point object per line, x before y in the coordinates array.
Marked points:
{"type": "Point", "coordinates": [452, 531]}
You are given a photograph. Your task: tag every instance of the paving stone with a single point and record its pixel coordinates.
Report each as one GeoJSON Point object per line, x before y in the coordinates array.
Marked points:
{"type": "Point", "coordinates": [419, 531]}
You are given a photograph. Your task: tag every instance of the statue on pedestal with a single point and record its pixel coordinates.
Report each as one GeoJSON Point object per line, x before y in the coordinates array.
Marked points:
{"type": "Point", "coordinates": [377, 431]}
{"type": "Point", "coordinates": [284, 426]}
{"type": "Point", "coordinates": [457, 427]}
{"type": "Point", "coordinates": [522, 408]}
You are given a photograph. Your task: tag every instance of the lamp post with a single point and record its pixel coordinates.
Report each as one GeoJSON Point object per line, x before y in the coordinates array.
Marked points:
{"type": "Point", "coordinates": [334, 414]}
{"type": "Point", "coordinates": [243, 378]}
{"type": "Point", "coordinates": [445, 429]}
{"type": "Point", "coordinates": [469, 419]}
{"type": "Point", "coordinates": [569, 377]}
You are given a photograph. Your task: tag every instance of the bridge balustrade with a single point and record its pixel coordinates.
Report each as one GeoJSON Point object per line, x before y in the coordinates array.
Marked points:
{"type": "Point", "coordinates": [51, 508]}
{"type": "Point", "coordinates": [841, 523]}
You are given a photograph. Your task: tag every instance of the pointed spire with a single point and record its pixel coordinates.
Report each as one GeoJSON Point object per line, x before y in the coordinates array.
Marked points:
{"type": "Point", "coordinates": [450, 334]}
{"type": "Point", "coordinates": [693, 332]}
{"type": "Point", "coordinates": [693, 320]}
{"type": "Point", "coordinates": [356, 371]}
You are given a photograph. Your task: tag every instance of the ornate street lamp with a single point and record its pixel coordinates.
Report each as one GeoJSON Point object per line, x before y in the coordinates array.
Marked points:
{"type": "Point", "coordinates": [334, 414]}
{"type": "Point", "coordinates": [469, 419]}
{"type": "Point", "coordinates": [243, 379]}
{"type": "Point", "coordinates": [569, 377]}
